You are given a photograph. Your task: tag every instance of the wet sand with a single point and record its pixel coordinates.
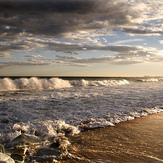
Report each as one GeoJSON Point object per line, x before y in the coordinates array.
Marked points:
{"type": "Point", "coordinates": [136, 141]}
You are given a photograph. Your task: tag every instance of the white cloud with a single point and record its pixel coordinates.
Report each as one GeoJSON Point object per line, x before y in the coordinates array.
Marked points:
{"type": "Point", "coordinates": [77, 64]}
{"type": "Point", "coordinates": [5, 55]}
{"type": "Point", "coordinates": [126, 41]}
{"type": "Point", "coordinates": [161, 41]}
{"type": "Point", "coordinates": [85, 38]}
{"type": "Point", "coordinates": [105, 40]}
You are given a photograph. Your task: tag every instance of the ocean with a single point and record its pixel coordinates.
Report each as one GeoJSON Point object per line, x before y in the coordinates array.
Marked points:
{"type": "Point", "coordinates": [51, 107]}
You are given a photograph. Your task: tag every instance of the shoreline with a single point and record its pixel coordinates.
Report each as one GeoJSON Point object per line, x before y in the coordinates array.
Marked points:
{"type": "Point", "coordinates": [138, 140]}
{"type": "Point", "coordinates": [133, 141]}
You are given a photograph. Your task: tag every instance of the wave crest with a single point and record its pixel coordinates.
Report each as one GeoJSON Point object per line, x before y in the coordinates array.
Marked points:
{"type": "Point", "coordinates": [151, 80]}
{"type": "Point", "coordinates": [32, 83]}
{"type": "Point", "coordinates": [35, 83]}
{"type": "Point", "coordinates": [99, 82]}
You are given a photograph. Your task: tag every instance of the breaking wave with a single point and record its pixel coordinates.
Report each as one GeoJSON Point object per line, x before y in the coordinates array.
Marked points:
{"type": "Point", "coordinates": [150, 80]}
{"type": "Point", "coordinates": [8, 84]}
{"type": "Point", "coordinates": [99, 83]}
{"type": "Point", "coordinates": [32, 83]}
{"type": "Point", "coordinates": [49, 129]}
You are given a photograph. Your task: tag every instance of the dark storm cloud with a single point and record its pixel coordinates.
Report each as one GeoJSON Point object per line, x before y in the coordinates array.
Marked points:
{"type": "Point", "coordinates": [44, 17]}
{"type": "Point", "coordinates": [80, 6]}
{"type": "Point", "coordinates": [56, 17]}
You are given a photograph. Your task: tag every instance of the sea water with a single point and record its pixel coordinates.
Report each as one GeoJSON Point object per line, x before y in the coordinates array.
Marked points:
{"type": "Point", "coordinates": [51, 107]}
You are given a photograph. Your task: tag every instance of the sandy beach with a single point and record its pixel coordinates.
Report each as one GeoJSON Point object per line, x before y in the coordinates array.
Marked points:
{"type": "Point", "coordinates": [138, 140]}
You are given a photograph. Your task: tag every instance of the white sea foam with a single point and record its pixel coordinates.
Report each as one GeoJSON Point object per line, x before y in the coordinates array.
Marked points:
{"type": "Point", "coordinates": [87, 104]}
{"type": "Point", "coordinates": [7, 84]}
{"type": "Point", "coordinates": [32, 83]}
{"type": "Point", "coordinates": [47, 129]}
{"type": "Point", "coordinates": [151, 79]}
{"type": "Point", "coordinates": [99, 82]}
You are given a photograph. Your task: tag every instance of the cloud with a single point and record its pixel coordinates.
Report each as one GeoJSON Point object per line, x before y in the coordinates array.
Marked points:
{"type": "Point", "coordinates": [68, 47]}
{"type": "Point", "coordinates": [161, 41]}
{"type": "Point", "coordinates": [147, 32]}
{"type": "Point", "coordinates": [126, 41]}
{"type": "Point", "coordinates": [24, 63]}
{"type": "Point", "coordinates": [58, 17]}
{"type": "Point", "coordinates": [102, 60]}
{"type": "Point", "coordinates": [80, 61]}
{"type": "Point", "coordinates": [27, 25]}
{"type": "Point", "coordinates": [5, 55]}
{"type": "Point", "coordinates": [17, 45]}
{"type": "Point", "coordinates": [81, 38]}
{"type": "Point", "coordinates": [124, 55]}
{"type": "Point", "coordinates": [77, 64]}
{"type": "Point", "coordinates": [34, 56]}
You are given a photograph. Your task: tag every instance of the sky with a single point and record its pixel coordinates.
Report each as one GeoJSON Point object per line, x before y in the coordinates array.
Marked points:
{"type": "Point", "coordinates": [81, 38]}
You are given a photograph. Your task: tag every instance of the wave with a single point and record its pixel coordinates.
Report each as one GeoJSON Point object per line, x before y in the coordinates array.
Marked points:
{"type": "Point", "coordinates": [32, 83]}
{"type": "Point", "coordinates": [46, 130]}
{"type": "Point", "coordinates": [8, 84]}
{"type": "Point", "coordinates": [50, 129]}
{"type": "Point", "coordinates": [99, 82]}
{"type": "Point", "coordinates": [150, 80]}
{"type": "Point", "coordinates": [117, 118]}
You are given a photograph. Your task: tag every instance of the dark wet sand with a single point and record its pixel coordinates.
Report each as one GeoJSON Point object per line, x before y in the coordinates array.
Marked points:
{"type": "Point", "coordinates": [136, 141]}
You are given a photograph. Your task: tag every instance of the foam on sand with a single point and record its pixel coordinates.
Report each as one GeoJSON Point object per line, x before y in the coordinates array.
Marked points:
{"type": "Point", "coordinates": [139, 140]}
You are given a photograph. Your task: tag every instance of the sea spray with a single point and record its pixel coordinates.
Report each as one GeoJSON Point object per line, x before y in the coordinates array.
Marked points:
{"type": "Point", "coordinates": [99, 82]}
{"type": "Point", "coordinates": [32, 83]}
